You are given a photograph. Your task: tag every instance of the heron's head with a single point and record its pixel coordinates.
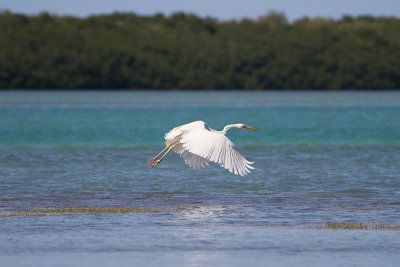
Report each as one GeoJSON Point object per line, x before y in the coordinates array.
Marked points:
{"type": "Point", "coordinates": [238, 126]}
{"type": "Point", "coordinates": [242, 126]}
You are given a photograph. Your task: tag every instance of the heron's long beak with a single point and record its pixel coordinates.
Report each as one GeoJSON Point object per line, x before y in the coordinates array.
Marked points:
{"type": "Point", "coordinates": [250, 128]}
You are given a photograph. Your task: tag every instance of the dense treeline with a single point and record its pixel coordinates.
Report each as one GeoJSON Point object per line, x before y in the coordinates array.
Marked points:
{"type": "Point", "coordinates": [184, 51]}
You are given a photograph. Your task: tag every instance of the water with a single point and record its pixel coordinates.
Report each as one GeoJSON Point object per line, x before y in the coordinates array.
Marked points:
{"type": "Point", "coordinates": [320, 157]}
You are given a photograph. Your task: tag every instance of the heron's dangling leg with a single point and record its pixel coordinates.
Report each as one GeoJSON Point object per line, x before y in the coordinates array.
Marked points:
{"type": "Point", "coordinates": [168, 146]}
{"type": "Point", "coordinates": [153, 159]}
{"type": "Point", "coordinates": [156, 162]}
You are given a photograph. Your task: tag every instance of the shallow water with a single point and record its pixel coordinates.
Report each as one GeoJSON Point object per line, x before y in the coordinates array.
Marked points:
{"type": "Point", "coordinates": [319, 158]}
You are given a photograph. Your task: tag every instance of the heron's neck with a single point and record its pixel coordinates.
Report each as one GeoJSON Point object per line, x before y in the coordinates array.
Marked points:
{"type": "Point", "coordinates": [228, 127]}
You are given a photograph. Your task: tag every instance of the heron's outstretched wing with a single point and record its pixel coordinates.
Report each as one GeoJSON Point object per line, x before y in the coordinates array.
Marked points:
{"type": "Point", "coordinates": [193, 160]}
{"type": "Point", "coordinates": [200, 145]}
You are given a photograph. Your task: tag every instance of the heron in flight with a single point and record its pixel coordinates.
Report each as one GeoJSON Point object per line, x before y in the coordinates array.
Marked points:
{"type": "Point", "coordinates": [198, 144]}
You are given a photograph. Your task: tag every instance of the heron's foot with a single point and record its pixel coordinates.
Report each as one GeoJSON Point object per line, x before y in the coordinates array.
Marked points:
{"type": "Point", "coordinates": [151, 161]}
{"type": "Point", "coordinates": [154, 163]}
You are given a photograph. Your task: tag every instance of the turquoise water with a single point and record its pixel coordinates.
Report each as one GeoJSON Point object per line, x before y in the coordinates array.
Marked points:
{"type": "Point", "coordinates": [319, 157]}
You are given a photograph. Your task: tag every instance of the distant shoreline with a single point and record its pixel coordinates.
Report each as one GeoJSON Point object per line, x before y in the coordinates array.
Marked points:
{"type": "Point", "coordinates": [116, 90]}
{"type": "Point", "coordinates": [126, 51]}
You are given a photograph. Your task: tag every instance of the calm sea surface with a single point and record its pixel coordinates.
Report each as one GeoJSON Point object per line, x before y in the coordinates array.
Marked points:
{"type": "Point", "coordinates": [319, 158]}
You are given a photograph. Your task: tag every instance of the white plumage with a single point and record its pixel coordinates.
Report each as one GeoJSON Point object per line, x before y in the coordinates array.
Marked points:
{"type": "Point", "coordinates": [198, 144]}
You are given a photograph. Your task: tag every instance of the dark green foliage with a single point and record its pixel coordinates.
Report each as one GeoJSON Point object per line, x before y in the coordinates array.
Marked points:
{"type": "Point", "coordinates": [184, 51]}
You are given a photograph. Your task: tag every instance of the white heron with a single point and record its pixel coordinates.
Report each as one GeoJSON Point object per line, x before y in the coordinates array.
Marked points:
{"type": "Point", "coordinates": [198, 144]}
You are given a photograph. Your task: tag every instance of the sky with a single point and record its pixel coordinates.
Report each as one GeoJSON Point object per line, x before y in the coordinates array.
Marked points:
{"type": "Point", "coordinates": [219, 9]}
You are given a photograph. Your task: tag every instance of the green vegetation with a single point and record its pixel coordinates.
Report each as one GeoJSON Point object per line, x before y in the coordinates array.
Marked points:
{"type": "Point", "coordinates": [356, 226]}
{"type": "Point", "coordinates": [335, 226]}
{"type": "Point", "coordinates": [75, 210]}
{"type": "Point", "coordinates": [183, 51]}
